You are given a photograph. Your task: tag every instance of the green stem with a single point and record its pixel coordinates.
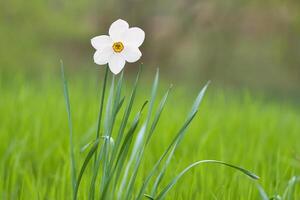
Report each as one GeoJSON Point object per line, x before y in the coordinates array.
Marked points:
{"type": "Point", "coordinates": [101, 110]}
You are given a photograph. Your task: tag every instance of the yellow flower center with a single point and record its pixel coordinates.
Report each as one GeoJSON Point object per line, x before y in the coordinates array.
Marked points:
{"type": "Point", "coordinates": [118, 47]}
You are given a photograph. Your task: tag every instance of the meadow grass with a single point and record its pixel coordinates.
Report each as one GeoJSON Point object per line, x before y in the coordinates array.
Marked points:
{"type": "Point", "coordinates": [243, 129]}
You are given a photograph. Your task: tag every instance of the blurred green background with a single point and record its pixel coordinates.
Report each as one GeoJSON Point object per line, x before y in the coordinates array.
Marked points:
{"type": "Point", "coordinates": [235, 43]}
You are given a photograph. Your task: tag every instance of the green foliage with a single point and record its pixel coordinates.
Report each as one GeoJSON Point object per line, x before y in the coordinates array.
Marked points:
{"type": "Point", "coordinates": [109, 165]}
{"type": "Point", "coordinates": [240, 129]}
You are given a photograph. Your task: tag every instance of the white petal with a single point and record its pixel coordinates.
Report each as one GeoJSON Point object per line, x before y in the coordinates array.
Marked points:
{"type": "Point", "coordinates": [116, 63]}
{"type": "Point", "coordinates": [102, 57]}
{"type": "Point", "coordinates": [101, 42]}
{"type": "Point", "coordinates": [134, 37]}
{"type": "Point", "coordinates": [117, 29]}
{"type": "Point", "coordinates": [131, 54]}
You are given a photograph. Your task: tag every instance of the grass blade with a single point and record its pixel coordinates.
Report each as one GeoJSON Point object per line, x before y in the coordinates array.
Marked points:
{"type": "Point", "coordinates": [67, 100]}
{"type": "Point", "coordinates": [158, 114]}
{"type": "Point", "coordinates": [118, 92]}
{"type": "Point", "coordinates": [86, 146]}
{"type": "Point", "coordinates": [150, 175]}
{"type": "Point", "coordinates": [290, 189]}
{"type": "Point", "coordinates": [125, 119]}
{"type": "Point", "coordinates": [262, 192]}
{"type": "Point", "coordinates": [107, 131]}
{"type": "Point", "coordinates": [84, 165]}
{"type": "Point", "coordinates": [95, 174]}
{"type": "Point", "coordinates": [98, 157]}
{"type": "Point", "coordinates": [133, 156]}
{"type": "Point", "coordinates": [173, 145]}
{"type": "Point", "coordinates": [153, 95]}
{"type": "Point", "coordinates": [162, 194]}
{"type": "Point", "coordinates": [123, 152]}
{"type": "Point", "coordinates": [140, 144]}
{"type": "Point", "coordinates": [198, 100]}
{"type": "Point", "coordinates": [194, 109]}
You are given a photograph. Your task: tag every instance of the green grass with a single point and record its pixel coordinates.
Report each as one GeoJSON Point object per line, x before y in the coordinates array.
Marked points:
{"type": "Point", "coordinates": [243, 129]}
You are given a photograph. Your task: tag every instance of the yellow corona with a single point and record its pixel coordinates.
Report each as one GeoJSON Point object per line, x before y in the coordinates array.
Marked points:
{"type": "Point", "coordinates": [118, 47]}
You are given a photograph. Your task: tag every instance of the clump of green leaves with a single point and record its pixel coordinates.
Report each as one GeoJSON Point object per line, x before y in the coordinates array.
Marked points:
{"type": "Point", "coordinates": [117, 158]}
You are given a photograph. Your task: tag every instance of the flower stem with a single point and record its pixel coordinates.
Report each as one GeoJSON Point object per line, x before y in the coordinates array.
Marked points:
{"type": "Point", "coordinates": [101, 110]}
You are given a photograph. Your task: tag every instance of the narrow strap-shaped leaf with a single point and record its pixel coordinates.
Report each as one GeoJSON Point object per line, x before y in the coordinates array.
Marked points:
{"type": "Point", "coordinates": [140, 144]}
{"type": "Point", "coordinates": [158, 114]}
{"type": "Point", "coordinates": [162, 172]}
{"type": "Point", "coordinates": [162, 194]}
{"type": "Point", "coordinates": [133, 157]}
{"type": "Point", "coordinates": [118, 91]}
{"type": "Point", "coordinates": [153, 94]}
{"type": "Point", "coordinates": [84, 165]}
{"type": "Point", "coordinates": [99, 157]}
{"type": "Point", "coordinates": [109, 107]}
{"type": "Point", "coordinates": [118, 102]}
{"type": "Point", "coordinates": [194, 109]}
{"type": "Point", "coordinates": [199, 98]}
{"type": "Point", "coordinates": [152, 172]}
{"type": "Point", "coordinates": [67, 100]}
{"type": "Point", "coordinates": [290, 189]}
{"type": "Point", "coordinates": [120, 105]}
{"type": "Point", "coordinates": [86, 146]}
{"type": "Point", "coordinates": [174, 143]}
{"type": "Point", "coordinates": [262, 192]}
{"type": "Point", "coordinates": [154, 123]}
{"type": "Point", "coordinates": [148, 196]}
{"type": "Point", "coordinates": [107, 130]}
{"type": "Point", "coordinates": [123, 152]}
{"type": "Point", "coordinates": [114, 109]}
{"type": "Point", "coordinates": [95, 173]}
{"type": "Point", "coordinates": [125, 119]}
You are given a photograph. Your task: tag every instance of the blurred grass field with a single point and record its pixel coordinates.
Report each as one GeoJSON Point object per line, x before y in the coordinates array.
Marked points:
{"type": "Point", "coordinates": [244, 128]}
{"type": "Point", "coordinates": [235, 43]}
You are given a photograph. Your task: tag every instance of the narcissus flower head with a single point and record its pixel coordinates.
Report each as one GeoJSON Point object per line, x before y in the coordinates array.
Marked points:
{"type": "Point", "coordinates": [121, 45]}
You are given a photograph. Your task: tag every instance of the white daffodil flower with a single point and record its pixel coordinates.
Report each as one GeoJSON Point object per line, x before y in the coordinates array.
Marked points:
{"type": "Point", "coordinates": [121, 45]}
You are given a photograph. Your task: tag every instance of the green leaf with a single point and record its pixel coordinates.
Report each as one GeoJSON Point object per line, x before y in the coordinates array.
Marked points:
{"type": "Point", "coordinates": [67, 101]}
{"type": "Point", "coordinates": [158, 113]}
{"type": "Point", "coordinates": [290, 189]}
{"type": "Point", "coordinates": [139, 146]}
{"type": "Point", "coordinates": [98, 158]}
{"type": "Point", "coordinates": [153, 94]}
{"type": "Point", "coordinates": [125, 118]}
{"type": "Point", "coordinates": [148, 196]}
{"type": "Point", "coordinates": [118, 92]}
{"type": "Point", "coordinates": [109, 118]}
{"type": "Point", "coordinates": [152, 172]}
{"type": "Point", "coordinates": [120, 161]}
{"type": "Point", "coordinates": [84, 165]}
{"type": "Point", "coordinates": [173, 145]}
{"type": "Point", "coordinates": [198, 100]}
{"type": "Point", "coordinates": [86, 146]}
{"type": "Point", "coordinates": [162, 194]}
{"type": "Point", "coordinates": [262, 192]}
